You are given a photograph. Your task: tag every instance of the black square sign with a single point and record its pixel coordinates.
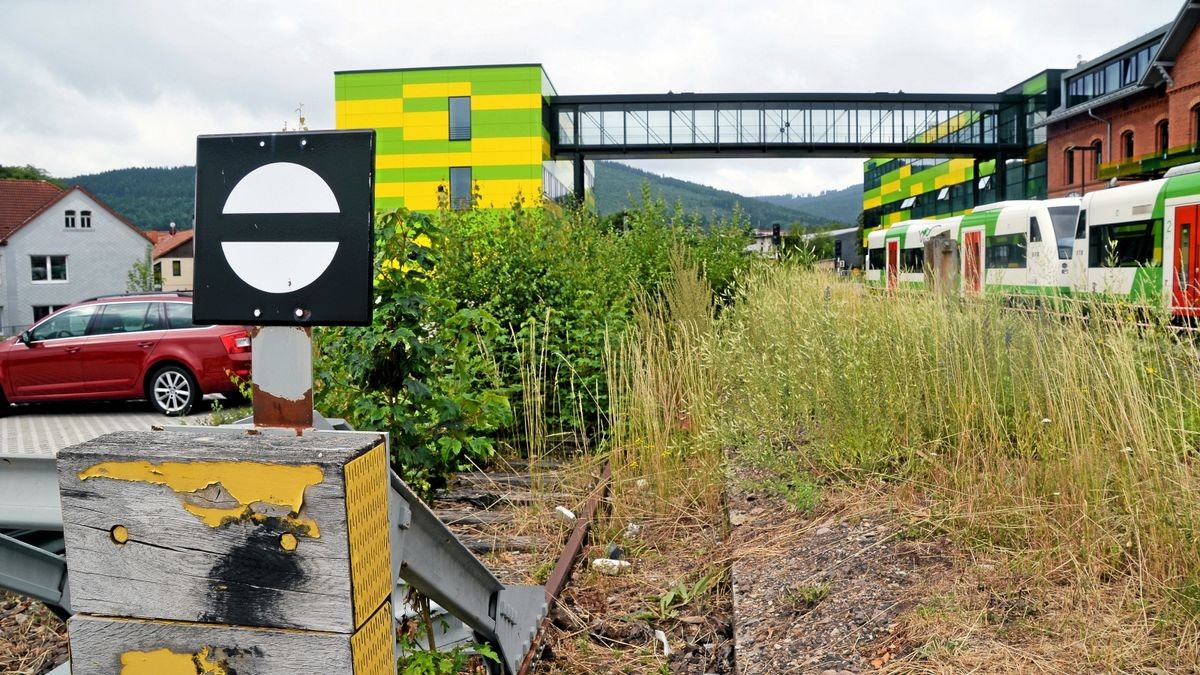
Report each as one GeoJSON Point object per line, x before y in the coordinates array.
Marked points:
{"type": "Point", "coordinates": [284, 228]}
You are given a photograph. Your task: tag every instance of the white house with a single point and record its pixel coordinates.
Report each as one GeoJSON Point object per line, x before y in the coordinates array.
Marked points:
{"type": "Point", "coordinates": [58, 247]}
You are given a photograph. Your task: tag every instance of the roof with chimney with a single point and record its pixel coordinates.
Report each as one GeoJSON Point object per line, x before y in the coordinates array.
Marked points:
{"type": "Point", "coordinates": [170, 242]}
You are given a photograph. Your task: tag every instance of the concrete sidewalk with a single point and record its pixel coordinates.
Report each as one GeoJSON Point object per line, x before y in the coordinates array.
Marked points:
{"type": "Point", "coordinates": [43, 430]}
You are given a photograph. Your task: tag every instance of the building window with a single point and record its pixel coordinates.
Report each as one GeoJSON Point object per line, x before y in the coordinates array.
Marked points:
{"type": "Point", "coordinates": [1069, 166]}
{"type": "Point", "coordinates": [460, 118]}
{"type": "Point", "coordinates": [1196, 126]}
{"type": "Point", "coordinates": [1127, 145]}
{"type": "Point", "coordinates": [1097, 158]}
{"type": "Point", "coordinates": [176, 268]}
{"type": "Point", "coordinates": [1163, 134]}
{"type": "Point", "coordinates": [85, 219]}
{"type": "Point", "coordinates": [42, 311]}
{"type": "Point", "coordinates": [158, 274]}
{"type": "Point", "coordinates": [460, 187]}
{"type": "Point", "coordinates": [48, 268]}
{"type": "Point", "coordinates": [69, 219]}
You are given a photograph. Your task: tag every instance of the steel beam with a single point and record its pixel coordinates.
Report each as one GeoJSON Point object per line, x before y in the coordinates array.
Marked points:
{"type": "Point", "coordinates": [428, 557]}
{"type": "Point", "coordinates": [28, 570]}
{"type": "Point", "coordinates": [29, 493]}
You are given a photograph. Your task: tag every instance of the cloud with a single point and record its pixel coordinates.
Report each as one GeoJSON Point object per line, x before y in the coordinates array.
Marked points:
{"type": "Point", "coordinates": [93, 86]}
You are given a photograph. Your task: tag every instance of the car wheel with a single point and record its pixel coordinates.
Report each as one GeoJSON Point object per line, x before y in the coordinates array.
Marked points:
{"type": "Point", "coordinates": [172, 390]}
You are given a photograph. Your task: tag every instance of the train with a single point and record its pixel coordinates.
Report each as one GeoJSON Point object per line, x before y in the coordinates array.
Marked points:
{"type": "Point", "coordinates": [1137, 242]}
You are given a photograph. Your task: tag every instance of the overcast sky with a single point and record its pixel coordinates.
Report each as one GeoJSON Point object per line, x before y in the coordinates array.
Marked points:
{"type": "Point", "coordinates": [87, 86]}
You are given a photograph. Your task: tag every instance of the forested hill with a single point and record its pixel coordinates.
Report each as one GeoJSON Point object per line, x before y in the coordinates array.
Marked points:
{"type": "Point", "coordinates": [148, 198]}
{"type": "Point", "coordinates": [619, 186]}
{"type": "Point", "coordinates": [152, 198]}
{"type": "Point", "coordinates": [843, 205]}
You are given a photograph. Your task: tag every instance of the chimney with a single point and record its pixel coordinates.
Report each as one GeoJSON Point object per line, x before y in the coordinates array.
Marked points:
{"type": "Point", "coordinates": [172, 228]}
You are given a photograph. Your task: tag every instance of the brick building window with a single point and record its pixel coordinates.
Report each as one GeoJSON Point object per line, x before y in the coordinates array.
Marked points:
{"type": "Point", "coordinates": [85, 219]}
{"type": "Point", "coordinates": [1097, 158]}
{"type": "Point", "coordinates": [1196, 125]}
{"type": "Point", "coordinates": [1069, 166]}
{"type": "Point", "coordinates": [1162, 135]}
{"type": "Point", "coordinates": [1127, 145]}
{"type": "Point", "coordinates": [69, 219]}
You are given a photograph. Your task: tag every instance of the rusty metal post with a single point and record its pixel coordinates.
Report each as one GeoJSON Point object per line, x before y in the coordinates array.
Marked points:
{"type": "Point", "coordinates": [282, 376]}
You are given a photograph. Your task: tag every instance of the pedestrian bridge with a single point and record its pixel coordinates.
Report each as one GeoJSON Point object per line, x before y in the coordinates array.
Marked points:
{"type": "Point", "coordinates": [984, 126]}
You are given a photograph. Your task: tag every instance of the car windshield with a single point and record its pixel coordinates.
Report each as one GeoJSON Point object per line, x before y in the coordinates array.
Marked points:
{"type": "Point", "coordinates": [66, 324]}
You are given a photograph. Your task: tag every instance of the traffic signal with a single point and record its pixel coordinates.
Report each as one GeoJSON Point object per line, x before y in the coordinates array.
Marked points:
{"type": "Point", "coordinates": [776, 239]}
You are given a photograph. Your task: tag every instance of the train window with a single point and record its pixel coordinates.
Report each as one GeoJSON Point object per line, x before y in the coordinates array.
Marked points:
{"type": "Point", "coordinates": [875, 258]}
{"type": "Point", "coordinates": [1035, 232]}
{"type": "Point", "coordinates": [912, 260]}
{"type": "Point", "coordinates": [1121, 245]}
{"type": "Point", "coordinates": [1081, 226]}
{"type": "Point", "coordinates": [1006, 251]}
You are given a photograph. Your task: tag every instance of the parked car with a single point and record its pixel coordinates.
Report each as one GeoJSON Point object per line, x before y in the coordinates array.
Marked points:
{"type": "Point", "coordinates": [124, 347]}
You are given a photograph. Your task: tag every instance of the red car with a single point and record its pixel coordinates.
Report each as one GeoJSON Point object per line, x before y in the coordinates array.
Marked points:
{"type": "Point", "coordinates": [124, 347]}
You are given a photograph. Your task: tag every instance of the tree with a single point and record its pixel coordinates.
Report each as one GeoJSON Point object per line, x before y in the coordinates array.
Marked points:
{"type": "Point", "coordinates": [143, 276]}
{"type": "Point", "coordinates": [27, 172]}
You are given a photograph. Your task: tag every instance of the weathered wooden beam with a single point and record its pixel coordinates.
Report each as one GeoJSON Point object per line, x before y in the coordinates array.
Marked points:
{"type": "Point", "coordinates": [204, 544]}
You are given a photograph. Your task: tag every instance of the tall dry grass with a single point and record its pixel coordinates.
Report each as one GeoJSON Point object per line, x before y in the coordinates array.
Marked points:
{"type": "Point", "coordinates": [1069, 441]}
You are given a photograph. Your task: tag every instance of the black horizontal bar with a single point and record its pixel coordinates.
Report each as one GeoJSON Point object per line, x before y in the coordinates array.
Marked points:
{"type": "Point", "coordinates": [750, 150]}
{"type": "Point", "coordinates": [734, 99]}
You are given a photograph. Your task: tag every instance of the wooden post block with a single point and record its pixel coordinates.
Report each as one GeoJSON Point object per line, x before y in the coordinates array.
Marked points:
{"type": "Point", "coordinates": [106, 646]}
{"type": "Point", "coordinates": [228, 533]}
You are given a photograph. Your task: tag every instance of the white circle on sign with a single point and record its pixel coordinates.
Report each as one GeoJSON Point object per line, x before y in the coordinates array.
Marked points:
{"type": "Point", "coordinates": [281, 187]}
{"type": "Point", "coordinates": [280, 266]}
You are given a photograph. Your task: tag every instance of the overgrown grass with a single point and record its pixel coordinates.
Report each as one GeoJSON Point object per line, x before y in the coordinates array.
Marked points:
{"type": "Point", "coordinates": [1068, 442]}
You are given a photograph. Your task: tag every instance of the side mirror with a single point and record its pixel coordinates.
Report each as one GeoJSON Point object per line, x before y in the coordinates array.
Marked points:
{"type": "Point", "coordinates": [25, 339]}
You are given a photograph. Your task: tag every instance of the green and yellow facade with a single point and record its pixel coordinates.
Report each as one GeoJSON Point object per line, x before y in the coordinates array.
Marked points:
{"type": "Point", "coordinates": [899, 189]}
{"type": "Point", "coordinates": [505, 152]}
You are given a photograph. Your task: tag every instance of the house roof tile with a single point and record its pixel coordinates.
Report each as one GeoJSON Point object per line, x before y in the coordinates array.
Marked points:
{"type": "Point", "coordinates": [21, 200]}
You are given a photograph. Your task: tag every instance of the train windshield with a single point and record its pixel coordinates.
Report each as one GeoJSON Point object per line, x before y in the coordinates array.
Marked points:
{"type": "Point", "coordinates": [1063, 218]}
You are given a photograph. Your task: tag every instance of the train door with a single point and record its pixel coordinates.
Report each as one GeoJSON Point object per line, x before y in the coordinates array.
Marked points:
{"type": "Point", "coordinates": [972, 255]}
{"type": "Point", "coordinates": [1186, 285]}
{"type": "Point", "coordinates": [893, 264]}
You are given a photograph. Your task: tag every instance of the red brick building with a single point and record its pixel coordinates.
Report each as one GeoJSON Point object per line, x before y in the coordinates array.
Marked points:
{"type": "Point", "coordinates": [1130, 114]}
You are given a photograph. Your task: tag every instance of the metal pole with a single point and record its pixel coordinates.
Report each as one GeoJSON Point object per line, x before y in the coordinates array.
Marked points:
{"type": "Point", "coordinates": [281, 372]}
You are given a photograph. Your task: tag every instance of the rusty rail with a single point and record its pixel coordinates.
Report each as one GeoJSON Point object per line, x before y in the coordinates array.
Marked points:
{"type": "Point", "coordinates": [566, 562]}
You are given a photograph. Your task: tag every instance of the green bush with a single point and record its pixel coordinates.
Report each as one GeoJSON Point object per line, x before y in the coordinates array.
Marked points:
{"type": "Point", "coordinates": [565, 283]}
{"type": "Point", "coordinates": [422, 370]}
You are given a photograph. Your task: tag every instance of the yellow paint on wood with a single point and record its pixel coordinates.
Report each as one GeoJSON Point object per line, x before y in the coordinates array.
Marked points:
{"type": "Point", "coordinates": [288, 542]}
{"type": "Point", "coordinates": [433, 89]}
{"type": "Point", "coordinates": [167, 662]}
{"type": "Point", "coordinates": [246, 483]}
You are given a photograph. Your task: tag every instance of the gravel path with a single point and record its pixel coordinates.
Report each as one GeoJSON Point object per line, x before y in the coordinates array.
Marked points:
{"type": "Point", "coordinates": [820, 592]}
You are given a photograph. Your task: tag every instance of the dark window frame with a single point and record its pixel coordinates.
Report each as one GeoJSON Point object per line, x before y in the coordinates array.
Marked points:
{"type": "Point", "coordinates": [47, 263]}
{"type": "Point", "coordinates": [85, 220]}
{"type": "Point", "coordinates": [1162, 137]}
{"type": "Point", "coordinates": [1006, 251]}
{"type": "Point", "coordinates": [1127, 145]}
{"type": "Point", "coordinates": [176, 268]}
{"type": "Point", "coordinates": [460, 131]}
{"type": "Point", "coordinates": [69, 218]}
{"type": "Point", "coordinates": [1135, 245]}
{"type": "Point", "coordinates": [460, 201]}
{"type": "Point", "coordinates": [1069, 166]}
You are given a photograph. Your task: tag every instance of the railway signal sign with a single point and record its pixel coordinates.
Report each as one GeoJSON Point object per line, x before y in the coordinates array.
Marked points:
{"type": "Point", "coordinates": [284, 228]}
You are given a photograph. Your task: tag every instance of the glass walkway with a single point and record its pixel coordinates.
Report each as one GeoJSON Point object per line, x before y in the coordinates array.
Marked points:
{"type": "Point", "coordinates": [786, 125]}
